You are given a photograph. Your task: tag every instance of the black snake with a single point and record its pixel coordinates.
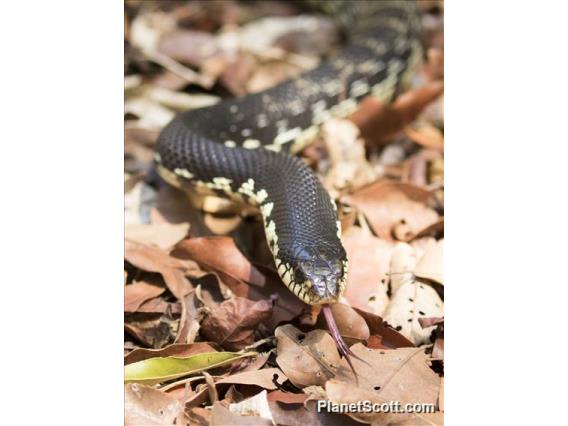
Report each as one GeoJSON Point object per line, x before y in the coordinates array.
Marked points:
{"type": "Point", "coordinates": [240, 147]}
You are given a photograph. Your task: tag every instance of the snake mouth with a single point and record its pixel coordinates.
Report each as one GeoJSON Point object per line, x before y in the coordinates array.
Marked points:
{"type": "Point", "coordinates": [315, 286]}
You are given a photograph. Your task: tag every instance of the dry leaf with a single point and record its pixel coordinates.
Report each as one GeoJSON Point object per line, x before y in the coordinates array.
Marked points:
{"type": "Point", "coordinates": [403, 262]}
{"type": "Point", "coordinates": [349, 166]}
{"type": "Point", "coordinates": [232, 324]}
{"type": "Point", "coordinates": [189, 47]}
{"type": "Point", "coordinates": [389, 337]}
{"type": "Point", "coordinates": [379, 122]}
{"type": "Point", "coordinates": [351, 325]}
{"type": "Point", "coordinates": [162, 235]}
{"type": "Point", "coordinates": [412, 301]}
{"type": "Point", "coordinates": [287, 397]}
{"type": "Point", "coordinates": [431, 264]}
{"type": "Point", "coordinates": [153, 259]}
{"type": "Point", "coordinates": [220, 255]}
{"type": "Point", "coordinates": [306, 358]}
{"type": "Point", "coordinates": [388, 203]}
{"type": "Point", "coordinates": [191, 316]}
{"type": "Point", "coordinates": [256, 406]}
{"type": "Point", "coordinates": [367, 280]}
{"type": "Point", "coordinates": [426, 135]}
{"type": "Point", "coordinates": [423, 419]}
{"type": "Point", "coordinates": [221, 416]}
{"type": "Point", "coordinates": [153, 330]}
{"type": "Point", "coordinates": [393, 375]}
{"type": "Point", "coordinates": [265, 378]}
{"type": "Point", "coordinates": [144, 405]}
{"type": "Point", "coordinates": [137, 293]}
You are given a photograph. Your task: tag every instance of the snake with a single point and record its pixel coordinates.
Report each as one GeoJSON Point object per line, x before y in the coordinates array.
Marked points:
{"type": "Point", "coordinates": [243, 148]}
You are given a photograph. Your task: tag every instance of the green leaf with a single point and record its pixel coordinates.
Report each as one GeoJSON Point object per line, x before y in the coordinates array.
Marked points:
{"type": "Point", "coordinates": [156, 370]}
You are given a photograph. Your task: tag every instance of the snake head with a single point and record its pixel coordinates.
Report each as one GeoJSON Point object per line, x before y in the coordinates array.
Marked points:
{"type": "Point", "coordinates": [324, 277]}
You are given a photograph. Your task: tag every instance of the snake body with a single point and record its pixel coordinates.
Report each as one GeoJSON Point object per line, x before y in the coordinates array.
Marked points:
{"type": "Point", "coordinates": [240, 148]}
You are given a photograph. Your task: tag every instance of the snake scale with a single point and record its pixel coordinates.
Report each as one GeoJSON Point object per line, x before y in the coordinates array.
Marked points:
{"type": "Point", "coordinates": [240, 148]}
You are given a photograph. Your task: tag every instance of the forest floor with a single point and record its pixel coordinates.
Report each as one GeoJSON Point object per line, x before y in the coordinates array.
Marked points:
{"type": "Point", "coordinates": [212, 336]}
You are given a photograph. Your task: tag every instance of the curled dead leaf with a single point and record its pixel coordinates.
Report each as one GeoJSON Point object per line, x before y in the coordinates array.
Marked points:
{"type": "Point", "coordinates": [153, 259]}
{"type": "Point", "coordinates": [232, 323]}
{"type": "Point", "coordinates": [220, 255]}
{"type": "Point", "coordinates": [148, 406]}
{"type": "Point", "coordinates": [267, 378]}
{"type": "Point", "coordinates": [391, 375]}
{"type": "Point", "coordinates": [379, 121]}
{"type": "Point", "coordinates": [222, 416]}
{"type": "Point", "coordinates": [351, 325]}
{"type": "Point", "coordinates": [403, 262]}
{"type": "Point", "coordinates": [369, 259]}
{"type": "Point", "coordinates": [137, 293]}
{"type": "Point", "coordinates": [412, 301]}
{"type": "Point", "coordinates": [387, 203]}
{"type": "Point", "coordinates": [426, 135]}
{"type": "Point", "coordinates": [431, 264]}
{"type": "Point", "coordinates": [306, 358]}
{"type": "Point", "coordinates": [162, 235]}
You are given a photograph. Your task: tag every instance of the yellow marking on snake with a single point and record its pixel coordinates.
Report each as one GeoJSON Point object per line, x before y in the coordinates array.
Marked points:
{"type": "Point", "coordinates": [184, 173]}
{"type": "Point", "coordinates": [251, 144]}
{"type": "Point", "coordinates": [266, 209]}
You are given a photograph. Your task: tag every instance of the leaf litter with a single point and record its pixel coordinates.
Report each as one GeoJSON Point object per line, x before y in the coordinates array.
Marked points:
{"type": "Point", "coordinates": [211, 334]}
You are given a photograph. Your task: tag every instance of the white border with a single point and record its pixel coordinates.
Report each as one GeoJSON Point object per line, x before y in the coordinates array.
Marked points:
{"type": "Point", "coordinates": [62, 212]}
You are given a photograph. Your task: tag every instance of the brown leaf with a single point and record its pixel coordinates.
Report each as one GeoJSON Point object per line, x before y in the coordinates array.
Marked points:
{"type": "Point", "coordinates": [287, 397]}
{"type": "Point", "coordinates": [369, 259]}
{"type": "Point", "coordinates": [191, 316]}
{"type": "Point", "coordinates": [137, 293]}
{"type": "Point", "coordinates": [162, 235]}
{"type": "Point", "coordinates": [351, 325]}
{"type": "Point", "coordinates": [438, 349]}
{"type": "Point", "coordinates": [436, 230]}
{"type": "Point", "coordinates": [270, 74]}
{"type": "Point", "coordinates": [177, 349]}
{"type": "Point", "coordinates": [411, 301]}
{"type": "Point", "coordinates": [199, 416]}
{"type": "Point", "coordinates": [299, 415]}
{"type": "Point", "coordinates": [232, 324]}
{"type": "Point", "coordinates": [153, 330]}
{"type": "Point", "coordinates": [221, 416]}
{"type": "Point", "coordinates": [379, 121]}
{"type": "Point", "coordinates": [423, 419]}
{"type": "Point", "coordinates": [173, 206]}
{"type": "Point", "coordinates": [430, 321]}
{"type": "Point", "coordinates": [159, 305]}
{"type": "Point", "coordinates": [349, 165]}
{"type": "Point", "coordinates": [392, 375]}
{"type": "Point", "coordinates": [221, 225]}
{"type": "Point", "coordinates": [138, 147]}
{"type": "Point", "coordinates": [426, 135]}
{"type": "Point", "coordinates": [388, 203]}
{"type": "Point", "coordinates": [264, 378]}
{"type": "Point", "coordinates": [306, 359]}
{"type": "Point", "coordinates": [153, 259]}
{"type": "Point", "coordinates": [189, 47]}
{"type": "Point", "coordinates": [431, 264]}
{"type": "Point", "coordinates": [144, 405]}
{"type": "Point", "coordinates": [220, 255]}
{"type": "Point", "coordinates": [390, 338]}
{"type": "Point", "coordinates": [403, 262]}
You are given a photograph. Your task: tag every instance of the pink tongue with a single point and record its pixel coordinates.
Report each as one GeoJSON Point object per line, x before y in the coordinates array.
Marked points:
{"type": "Point", "coordinates": [341, 345]}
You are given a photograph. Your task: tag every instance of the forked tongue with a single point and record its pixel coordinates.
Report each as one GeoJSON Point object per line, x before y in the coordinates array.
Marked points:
{"type": "Point", "coordinates": [341, 345]}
